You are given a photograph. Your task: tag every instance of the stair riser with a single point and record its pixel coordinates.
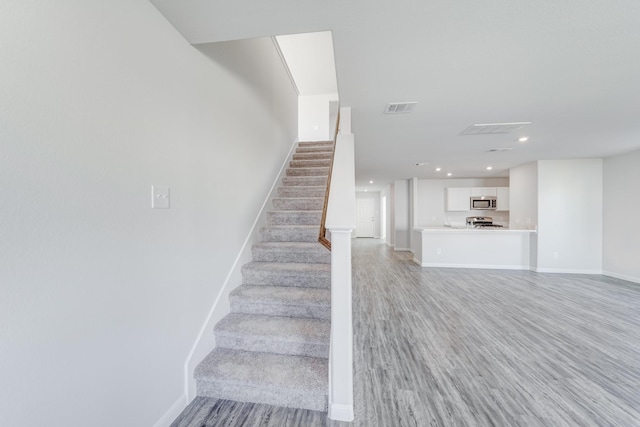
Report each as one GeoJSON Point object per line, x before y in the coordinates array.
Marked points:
{"type": "Point", "coordinates": [319, 149]}
{"type": "Point", "coordinates": [294, 218]}
{"type": "Point", "coordinates": [294, 235]}
{"type": "Point", "coordinates": [304, 181]}
{"type": "Point", "coordinates": [299, 204]}
{"type": "Point", "coordinates": [269, 345]}
{"type": "Point", "coordinates": [313, 156]}
{"type": "Point", "coordinates": [293, 192]}
{"type": "Point", "coordinates": [239, 305]}
{"type": "Point", "coordinates": [308, 172]}
{"type": "Point", "coordinates": [320, 256]}
{"type": "Point", "coordinates": [269, 278]}
{"type": "Point", "coordinates": [315, 144]}
{"type": "Point", "coordinates": [316, 163]}
{"type": "Point", "coordinates": [269, 396]}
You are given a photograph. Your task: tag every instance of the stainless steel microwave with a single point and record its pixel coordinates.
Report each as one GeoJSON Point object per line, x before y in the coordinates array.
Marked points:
{"type": "Point", "coordinates": [484, 202]}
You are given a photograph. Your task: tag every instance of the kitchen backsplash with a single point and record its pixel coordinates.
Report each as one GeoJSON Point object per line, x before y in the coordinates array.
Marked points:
{"type": "Point", "coordinates": [459, 219]}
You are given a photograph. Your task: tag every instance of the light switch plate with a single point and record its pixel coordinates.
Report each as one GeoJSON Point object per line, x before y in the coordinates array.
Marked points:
{"type": "Point", "coordinates": [159, 197]}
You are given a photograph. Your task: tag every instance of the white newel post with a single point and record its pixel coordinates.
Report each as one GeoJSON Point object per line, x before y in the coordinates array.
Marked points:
{"type": "Point", "coordinates": [341, 353]}
{"type": "Point", "coordinates": [341, 221]}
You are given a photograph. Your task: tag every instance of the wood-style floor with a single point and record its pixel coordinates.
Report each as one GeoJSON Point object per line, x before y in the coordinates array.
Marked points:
{"type": "Point", "coordinates": [456, 347]}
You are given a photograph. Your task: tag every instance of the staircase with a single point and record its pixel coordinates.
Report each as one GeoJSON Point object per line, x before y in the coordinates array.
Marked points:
{"type": "Point", "coordinates": [273, 347]}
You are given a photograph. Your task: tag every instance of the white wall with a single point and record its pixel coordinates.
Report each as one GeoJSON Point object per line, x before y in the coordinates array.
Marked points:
{"type": "Point", "coordinates": [401, 228]}
{"type": "Point", "coordinates": [375, 196]}
{"type": "Point", "coordinates": [390, 225]}
{"type": "Point", "coordinates": [432, 198]}
{"type": "Point", "coordinates": [101, 296]}
{"type": "Point", "coordinates": [314, 117]}
{"type": "Point", "coordinates": [570, 216]}
{"type": "Point", "coordinates": [621, 233]}
{"type": "Point", "coordinates": [523, 197]}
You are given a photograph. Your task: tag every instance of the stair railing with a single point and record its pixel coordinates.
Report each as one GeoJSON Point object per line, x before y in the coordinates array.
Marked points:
{"type": "Point", "coordinates": [340, 223]}
{"type": "Point", "coordinates": [323, 238]}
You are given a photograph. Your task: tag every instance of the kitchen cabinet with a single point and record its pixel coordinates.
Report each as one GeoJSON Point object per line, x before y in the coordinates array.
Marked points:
{"type": "Point", "coordinates": [483, 191]}
{"type": "Point", "coordinates": [458, 199]}
{"type": "Point", "coordinates": [503, 199]}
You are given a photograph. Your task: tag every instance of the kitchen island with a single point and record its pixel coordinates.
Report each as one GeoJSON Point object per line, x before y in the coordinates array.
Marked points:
{"type": "Point", "coordinates": [473, 248]}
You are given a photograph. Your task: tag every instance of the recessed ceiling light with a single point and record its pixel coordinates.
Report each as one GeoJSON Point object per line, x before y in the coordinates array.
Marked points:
{"type": "Point", "coordinates": [523, 139]}
{"type": "Point", "coordinates": [489, 168]}
{"type": "Point", "coordinates": [365, 190]}
{"type": "Point", "coordinates": [370, 182]}
{"type": "Point", "coordinates": [438, 169]}
{"type": "Point", "coordinates": [449, 174]}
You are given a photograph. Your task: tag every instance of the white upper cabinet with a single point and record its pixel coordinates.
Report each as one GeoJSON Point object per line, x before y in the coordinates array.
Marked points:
{"type": "Point", "coordinates": [458, 199]}
{"type": "Point", "coordinates": [503, 199]}
{"type": "Point", "coordinates": [483, 191]}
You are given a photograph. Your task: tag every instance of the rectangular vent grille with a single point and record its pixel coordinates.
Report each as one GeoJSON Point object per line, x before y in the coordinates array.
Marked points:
{"type": "Point", "coordinates": [399, 107]}
{"type": "Point", "coordinates": [493, 128]}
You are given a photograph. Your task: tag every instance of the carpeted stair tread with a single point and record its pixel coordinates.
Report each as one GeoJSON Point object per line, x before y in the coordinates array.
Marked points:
{"type": "Point", "coordinates": [310, 163]}
{"type": "Point", "coordinates": [298, 204]}
{"type": "Point", "coordinates": [315, 144]}
{"type": "Point", "coordinates": [305, 181]}
{"type": "Point", "coordinates": [313, 171]}
{"type": "Point", "coordinates": [287, 274]}
{"type": "Point", "coordinates": [302, 191]}
{"type": "Point", "coordinates": [294, 218]}
{"type": "Point", "coordinates": [282, 301]}
{"type": "Point", "coordinates": [273, 379]}
{"type": "Point", "coordinates": [274, 334]}
{"type": "Point", "coordinates": [289, 233]}
{"type": "Point", "coordinates": [303, 252]}
{"type": "Point", "coordinates": [315, 149]}
{"type": "Point", "coordinates": [311, 156]}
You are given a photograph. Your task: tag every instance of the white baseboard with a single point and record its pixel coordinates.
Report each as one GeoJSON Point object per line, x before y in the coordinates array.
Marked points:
{"type": "Point", "coordinates": [565, 270]}
{"type": "Point", "coordinates": [341, 412]}
{"type": "Point", "coordinates": [621, 276]}
{"type": "Point", "coordinates": [483, 266]}
{"type": "Point", "coordinates": [173, 412]}
{"type": "Point", "coordinates": [402, 249]}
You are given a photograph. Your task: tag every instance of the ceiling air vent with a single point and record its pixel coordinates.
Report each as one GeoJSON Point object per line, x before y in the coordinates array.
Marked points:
{"type": "Point", "coordinates": [399, 107]}
{"type": "Point", "coordinates": [493, 128]}
{"type": "Point", "coordinates": [499, 150]}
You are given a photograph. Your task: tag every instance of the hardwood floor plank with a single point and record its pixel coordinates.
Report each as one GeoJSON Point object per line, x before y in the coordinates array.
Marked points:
{"type": "Point", "coordinates": [457, 347]}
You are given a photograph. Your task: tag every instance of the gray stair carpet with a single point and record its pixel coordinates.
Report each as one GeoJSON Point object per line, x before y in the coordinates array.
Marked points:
{"type": "Point", "coordinates": [273, 346]}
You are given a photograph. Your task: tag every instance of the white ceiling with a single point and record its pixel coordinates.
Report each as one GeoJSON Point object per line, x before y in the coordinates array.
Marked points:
{"type": "Point", "coordinates": [310, 60]}
{"type": "Point", "coordinates": [570, 67]}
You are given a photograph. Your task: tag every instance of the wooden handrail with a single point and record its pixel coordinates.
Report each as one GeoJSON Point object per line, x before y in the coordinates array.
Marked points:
{"type": "Point", "coordinates": [323, 231]}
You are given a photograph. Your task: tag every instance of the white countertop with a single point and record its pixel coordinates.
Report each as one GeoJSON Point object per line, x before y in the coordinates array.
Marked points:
{"type": "Point", "coordinates": [470, 230]}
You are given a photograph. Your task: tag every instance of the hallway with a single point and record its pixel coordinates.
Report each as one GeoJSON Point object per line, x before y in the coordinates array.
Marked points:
{"type": "Point", "coordinates": [454, 347]}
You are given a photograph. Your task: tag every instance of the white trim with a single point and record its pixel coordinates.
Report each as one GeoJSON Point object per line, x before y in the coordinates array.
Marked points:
{"type": "Point", "coordinates": [402, 249]}
{"type": "Point", "coordinates": [565, 270]}
{"type": "Point", "coordinates": [173, 412]}
{"type": "Point", "coordinates": [484, 266]}
{"type": "Point", "coordinates": [341, 412]}
{"type": "Point", "coordinates": [621, 276]}
{"type": "Point", "coordinates": [207, 326]}
{"type": "Point", "coordinates": [285, 64]}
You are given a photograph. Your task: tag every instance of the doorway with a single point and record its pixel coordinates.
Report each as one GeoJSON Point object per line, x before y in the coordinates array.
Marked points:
{"type": "Point", "coordinates": [365, 217]}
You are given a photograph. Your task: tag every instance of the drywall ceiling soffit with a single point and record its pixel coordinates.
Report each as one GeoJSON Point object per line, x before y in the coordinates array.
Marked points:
{"type": "Point", "coordinates": [571, 68]}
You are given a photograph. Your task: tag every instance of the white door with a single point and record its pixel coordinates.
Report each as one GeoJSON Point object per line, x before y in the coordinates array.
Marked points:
{"type": "Point", "coordinates": [366, 216]}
